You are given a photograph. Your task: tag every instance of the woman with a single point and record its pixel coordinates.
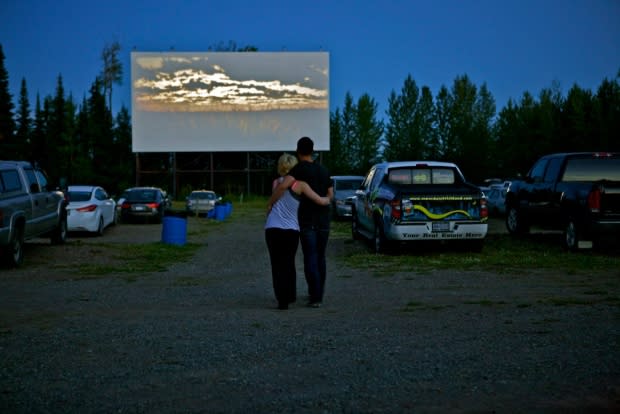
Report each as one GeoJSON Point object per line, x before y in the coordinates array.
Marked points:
{"type": "Point", "coordinates": [282, 232]}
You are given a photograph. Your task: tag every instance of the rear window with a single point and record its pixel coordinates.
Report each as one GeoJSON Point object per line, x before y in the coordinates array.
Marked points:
{"type": "Point", "coordinates": [78, 196]}
{"type": "Point", "coordinates": [9, 181]}
{"type": "Point", "coordinates": [142, 195]}
{"type": "Point", "coordinates": [341, 185]}
{"type": "Point", "coordinates": [592, 169]}
{"type": "Point", "coordinates": [405, 176]}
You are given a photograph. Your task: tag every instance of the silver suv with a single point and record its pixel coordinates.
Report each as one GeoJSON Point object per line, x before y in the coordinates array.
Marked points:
{"type": "Point", "coordinates": [28, 209]}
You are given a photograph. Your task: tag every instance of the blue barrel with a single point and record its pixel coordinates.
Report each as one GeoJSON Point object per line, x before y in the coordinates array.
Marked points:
{"type": "Point", "coordinates": [228, 208]}
{"type": "Point", "coordinates": [220, 212]}
{"type": "Point", "coordinates": [174, 230]}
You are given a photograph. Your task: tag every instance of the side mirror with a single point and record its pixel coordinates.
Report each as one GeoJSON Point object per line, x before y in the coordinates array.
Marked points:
{"type": "Point", "coordinates": [34, 188]}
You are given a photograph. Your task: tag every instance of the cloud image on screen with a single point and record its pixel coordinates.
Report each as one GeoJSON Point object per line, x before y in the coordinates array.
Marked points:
{"type": "Point", "coordinates": [229, 101]}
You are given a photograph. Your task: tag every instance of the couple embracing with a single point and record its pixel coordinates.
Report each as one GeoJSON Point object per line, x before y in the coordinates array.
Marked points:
{"type": "Point", "coordinates": [298, 211]}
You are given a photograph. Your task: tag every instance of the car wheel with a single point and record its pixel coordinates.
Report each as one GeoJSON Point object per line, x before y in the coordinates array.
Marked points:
{"type": "Point", "coordinates": [59, 234]}
{"type": "Point", "coordinates": [380, 243]}
{"type": "Point", "coordinates": [100, 227]}
{"type": "Point", "coordinates": [571, 236]}
{"type": "Point", "coordinates": [515, 223]}
{"type": "Point", "coordinates": [15, 249]}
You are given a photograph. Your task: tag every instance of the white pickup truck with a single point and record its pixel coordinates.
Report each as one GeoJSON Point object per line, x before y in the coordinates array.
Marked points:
{"type": "Point", "coordinates": [418, 201]}
{"type": "Point", "coordinates": [28, 209]}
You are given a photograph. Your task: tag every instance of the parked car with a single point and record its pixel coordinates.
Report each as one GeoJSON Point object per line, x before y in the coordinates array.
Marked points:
{"type": "Point", "coordinates": [417, 201]}
{"type": "Point", "coordinates": [90, 209]}
{"type": "Point", "coordinates": [144, 203]}
{"type": "Point", "coordinates": [576, 192]}
{"type": "Point", "coordinates": [344, 187]}
{"type": "Point", "coordinates": [119, 203]}
{"type": "Point", "coordinates": [29, 208]}
{"type": "Point", "coordinates": [496, 199]}
{"type": "Point", "coordinates": [201, 202]}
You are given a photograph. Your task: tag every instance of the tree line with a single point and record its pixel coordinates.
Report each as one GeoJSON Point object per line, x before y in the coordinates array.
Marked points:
{"type": "Point", "coordinates": [83, 142]}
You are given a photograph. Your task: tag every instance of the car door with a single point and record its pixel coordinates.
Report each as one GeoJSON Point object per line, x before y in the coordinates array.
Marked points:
{"type": "Point", "coordinates": [44, 204]}
{"type": "Point", "coordinates": [106, 204]}
{"type": "Point", "coordinates": [365, 198]}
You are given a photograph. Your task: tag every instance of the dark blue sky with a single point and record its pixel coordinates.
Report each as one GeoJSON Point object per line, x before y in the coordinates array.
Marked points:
{"type": "Point", "coordinates": [512, 46]}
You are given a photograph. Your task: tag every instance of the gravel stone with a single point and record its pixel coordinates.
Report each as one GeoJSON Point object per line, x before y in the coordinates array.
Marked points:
{"type": "Point", "coordinates": [417, 341]}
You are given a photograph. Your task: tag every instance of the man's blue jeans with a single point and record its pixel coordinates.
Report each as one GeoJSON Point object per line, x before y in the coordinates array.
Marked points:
{"type": "Point", "coordinates": [313, 246]}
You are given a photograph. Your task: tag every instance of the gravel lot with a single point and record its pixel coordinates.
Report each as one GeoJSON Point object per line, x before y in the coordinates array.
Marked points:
{"type": "Point", "coordinates": [205, 336]}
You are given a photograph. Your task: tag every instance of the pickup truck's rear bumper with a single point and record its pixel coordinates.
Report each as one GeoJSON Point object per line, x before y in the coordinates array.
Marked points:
{"type": "Point", "coordinates": [419, 231]}
{"type": "Point", "coordinates": [604, 228]}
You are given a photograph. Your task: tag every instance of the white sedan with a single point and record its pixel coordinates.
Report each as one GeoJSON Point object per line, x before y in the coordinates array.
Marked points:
{"type": "Point", "coordinates": [90, 209]}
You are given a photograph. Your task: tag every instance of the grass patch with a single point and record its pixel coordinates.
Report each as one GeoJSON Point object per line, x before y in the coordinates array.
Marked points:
{"type": "Point", "coordinates": [502, 253]}
{"type": "Point", "coordinates": [132, 259]}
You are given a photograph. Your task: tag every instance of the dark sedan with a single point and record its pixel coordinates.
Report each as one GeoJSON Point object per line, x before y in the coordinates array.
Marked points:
{"type": "Point", "coordinates": [144, 203]}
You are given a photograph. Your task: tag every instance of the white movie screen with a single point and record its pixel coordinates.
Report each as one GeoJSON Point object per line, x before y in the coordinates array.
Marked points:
{"type": "Point", "coordinates": [229, 101]}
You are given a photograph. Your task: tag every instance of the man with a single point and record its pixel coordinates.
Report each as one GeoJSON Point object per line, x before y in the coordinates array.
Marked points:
{"type": "Point", "coordinates": [314, 220]}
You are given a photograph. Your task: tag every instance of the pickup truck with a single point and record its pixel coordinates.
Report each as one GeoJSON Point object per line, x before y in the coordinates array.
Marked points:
{"type": "Point", "coordinates": [417, 201]}
{"type": "Point", "coordinates": [28, 209]}
{"type": "Point", "coordinates": [578, 193]}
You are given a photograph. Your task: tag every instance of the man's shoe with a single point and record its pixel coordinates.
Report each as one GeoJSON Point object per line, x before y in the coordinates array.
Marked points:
{"type": "Point", "coordinates": [314, 304]}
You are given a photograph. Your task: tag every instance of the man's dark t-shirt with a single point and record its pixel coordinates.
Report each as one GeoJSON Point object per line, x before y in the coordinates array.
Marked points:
{"type": "Point", "coordinates": [317, 176]}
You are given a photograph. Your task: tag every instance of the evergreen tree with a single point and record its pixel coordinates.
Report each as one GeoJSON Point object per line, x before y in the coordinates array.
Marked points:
{"type": "Point", "coordinates": [368, 134]}
{"type": "Point", "coordinates": [348, 131]}
{"type": "Point", "coordinates": [39, 149]}
{"type": "Point", "coordinates": [123, 167]}
{"type": "Point", "coordinates": [24, 124]}
{"type": "Point", "coordinates": [443, 124]}
{"type": "Point", "coordinates": [334, 159]}
{"type": "Point", "coordinates": [100, 134]}
{"type": "Point", "coordinates": [607, 115]}
{"type": "Point", "coordinates": [112, 70]}
{"type": "Point", "coordinates": [7, 123]}
{"type": "Point", "coordinates": [400, 136]}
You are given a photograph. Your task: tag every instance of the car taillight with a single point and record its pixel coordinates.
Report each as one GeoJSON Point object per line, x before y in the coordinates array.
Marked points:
{"type": "Point", "coordinates": [484, 210]}
{"type": "Point", "coordinates": [396, 210]}
{"type": "Point", "coordinates": [594, 201]}
{"type": "Point", "coordinates": [152, 205]}
{"type": "Point", "coordinates": [87, 209]}
{"type": "Point", "coordinates": [125, 205]}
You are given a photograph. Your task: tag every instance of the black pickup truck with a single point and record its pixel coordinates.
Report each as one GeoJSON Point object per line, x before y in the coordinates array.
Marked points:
{"type": "Point", "coordinates": [578, 193]}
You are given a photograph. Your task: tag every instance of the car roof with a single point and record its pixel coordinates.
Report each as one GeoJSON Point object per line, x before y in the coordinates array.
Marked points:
{"type": "Point", "coordinates": [404, 164]}
{"type": "Point", "coordinates": [347, 177]}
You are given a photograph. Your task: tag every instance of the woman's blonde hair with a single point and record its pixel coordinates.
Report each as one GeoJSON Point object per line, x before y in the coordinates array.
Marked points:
{"type": "Point", "coordinates": [285, 163]}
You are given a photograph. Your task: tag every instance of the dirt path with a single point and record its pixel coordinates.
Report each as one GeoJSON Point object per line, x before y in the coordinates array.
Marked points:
{"type": "Point", "coordinates": [205, 336]}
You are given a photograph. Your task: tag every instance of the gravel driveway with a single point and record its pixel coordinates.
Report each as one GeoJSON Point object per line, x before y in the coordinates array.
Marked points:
{"type": "Point", "coordinates": [205, 336]}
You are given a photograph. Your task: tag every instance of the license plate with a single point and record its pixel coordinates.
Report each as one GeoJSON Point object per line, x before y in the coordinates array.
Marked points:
{"type": "Point", "coordinates": [441, 226]}
{"type": "Point", "coordinates": [138, 208]}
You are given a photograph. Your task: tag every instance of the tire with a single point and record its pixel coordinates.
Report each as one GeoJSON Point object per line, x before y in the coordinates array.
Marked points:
{"type": "Point", "coordinates": [571, 236]}
{"type": "Point", "coordinates": [59, 234]}
{"type": "Point", "coordinates": [100, 227]}
{"type": "Point", "coordinates": [380, 243]}
{"type": "Point", "coordinates": [515, 223]}
{"type": "Point", "coordinates": [14, 252]}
